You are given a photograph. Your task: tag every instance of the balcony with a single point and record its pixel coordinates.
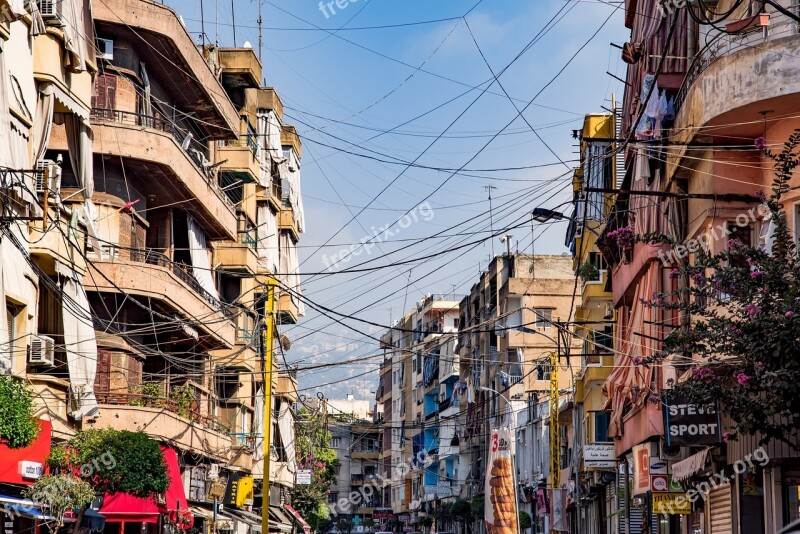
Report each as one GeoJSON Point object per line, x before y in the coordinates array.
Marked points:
{"type": "Point", "coordinates": [264, 98]}
{"type": "Point", "coordinates": [240, 67]}
{"type": "Point", "coordinates": [281, 473]}
{"type": "Point", "coordinates": [155, 155]}
{"type": "Point", "coordinates": [286, 221]}
{"type": "Point", "coordinates": [290, 137]}
{"type": "Point", "coordinates": [285, 386]}
{"type": "Point", "coordinates": [240, 158]}
{"type": "Point", "coordinates": [191, 433]}
{"type": "Point", "coordinates": [240, 256]}
{"type": "Point", "coordinates": [755, 57]}
{"type": "Point", "coordinates": [149, 273]}
{"type": "Point", "coordinates": [287, 309]}
{"type": "Point", "coordinates": [167, 47]}
{"type": "Point", "coordinates": [365, 455]}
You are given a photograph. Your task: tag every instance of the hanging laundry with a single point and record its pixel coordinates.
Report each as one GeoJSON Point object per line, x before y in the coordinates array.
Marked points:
{"type": "Point", "coordinates": [645, 128]}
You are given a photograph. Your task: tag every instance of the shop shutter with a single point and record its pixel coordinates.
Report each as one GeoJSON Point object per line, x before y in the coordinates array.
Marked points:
{"type": "Point", "coordinates": [102, 381]}
{"type": "Point", "coordinates": [720, 513]}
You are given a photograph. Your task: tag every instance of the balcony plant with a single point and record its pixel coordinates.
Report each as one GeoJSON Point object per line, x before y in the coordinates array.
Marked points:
{"type": "Point", "coordinates": [149, 394]}
{"type": "Point", "coordinates": [741, 340]}
{"type": "Point", "coordinates": [183, 400]}
{"type": "Point", "coordinates": [587, 271]}
{"type": "Point", "coordinates": [18, 426]}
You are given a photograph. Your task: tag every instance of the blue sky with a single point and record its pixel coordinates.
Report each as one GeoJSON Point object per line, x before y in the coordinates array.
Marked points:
{"type": "Point", "coordinates": [344, 88]}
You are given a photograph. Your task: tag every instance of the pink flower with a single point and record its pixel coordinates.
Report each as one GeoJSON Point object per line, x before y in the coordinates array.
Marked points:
{"type": "Point", "coordinates": [637, 360]}
{"type": "Point", "coordinates": [702, 373]}
{"type": "Point", "coordinates": [789, 314]}
{"type": "Point", "coordinates": [674, 273]}
{"type": "Point", "coordinates": [742, 379]}
{"type": "Point", "coordinates": [752, 310]}
{"type": "Point", "coordinates": [760, 143]}
{"type": "Point", "coordinates": [756, 274]}
{"type": "Point", "coordinates": [726, 436]}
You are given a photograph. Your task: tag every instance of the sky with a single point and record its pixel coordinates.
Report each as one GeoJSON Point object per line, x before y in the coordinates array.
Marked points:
{"type": "Point", "coordinates": [391, 98]}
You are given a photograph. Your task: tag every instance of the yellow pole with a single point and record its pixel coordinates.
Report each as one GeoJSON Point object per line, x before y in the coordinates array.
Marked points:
{"type": "Point", "coordinates": [269, 335]}
{"type": "Point", "coordinates": [555, 434]}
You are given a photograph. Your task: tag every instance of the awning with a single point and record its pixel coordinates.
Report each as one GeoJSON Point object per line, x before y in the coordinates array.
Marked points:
{"type": "Point", "coordinates": [177, 506]}
{"type": "Point", "coordinates": [66, 100]}
{"type": "Point", "coordinates": [279, 521]}
{"type": "Point", "coordinates": [253, 520]}
{"type": "Point", "coordinates": [24, 507]}
{"type": "Point", "coordinates": [202, 513]}
{"type": "Point", "coordinates": [25, 465]}
{"type": "Point", "coordinates": [296, 515]}
{"type": "Point", "coordinates": [686, 468]}
{"type": "Point", "coordinates": [122, 507]}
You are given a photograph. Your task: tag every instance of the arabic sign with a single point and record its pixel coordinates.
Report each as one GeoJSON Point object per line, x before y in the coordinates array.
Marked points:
{"type": "Point", "coordinates": [599, 455]}
{"type": "Point", "coordinates": [671, 503]}
{"type": "Point", "coordinates": [687, 423]}
{"type": "Point", "coordinates": [303, 477]}
{"type": "Point", "coordinates": [500, 504]}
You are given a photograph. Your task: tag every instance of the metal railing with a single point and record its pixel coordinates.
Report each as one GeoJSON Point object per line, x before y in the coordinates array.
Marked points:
{"type": "Point", "coordinates": [245, 141]}
{"type": "Point", "coordinates": [191, 413]}
{"type": "Point", "coordinates": [719, 45]}
{"type": "Point", "coordinates": [196, 151]}
{"type": "Point", "coordinates": [183, 272]}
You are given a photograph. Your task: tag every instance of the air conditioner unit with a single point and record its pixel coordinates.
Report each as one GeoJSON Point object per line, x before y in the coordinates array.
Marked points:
{"type": "Point", "coordinates": [672, 453]}
{"type": "Point", "coordinates": [51, 9]}
{"type": "Point", "coordinates": [42, 351]}
{"type": "Point", "coordinates": [52, 170]}
{"type": "Point", "coordinates": [105, 48]}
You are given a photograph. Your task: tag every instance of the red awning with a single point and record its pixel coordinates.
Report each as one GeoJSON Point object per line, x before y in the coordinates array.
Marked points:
{"type": "Point", "coordinates": [177, 507]}
{"type": "Point", "coordinates": [25, 465]}
{"type": "Point", "coordinates": [298, 518]}
{"type": "Point", "coordinates": [121, 507]}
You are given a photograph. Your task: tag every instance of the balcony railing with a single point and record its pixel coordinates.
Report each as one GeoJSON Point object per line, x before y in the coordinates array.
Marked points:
{"type": "Point", "coordinates": [197, 152]}
{"type": "Point", "coordinates": [248, 141]}
{"type": "Point", "coordinates": [153, 257]}
{"type": "Point", "coordinates": [190, 412]}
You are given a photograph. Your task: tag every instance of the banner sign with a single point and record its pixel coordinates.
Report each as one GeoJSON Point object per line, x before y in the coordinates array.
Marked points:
{"type": "Point", "coordinates": [599, 455]}
{"type": "Point", "coordinates": [671, 503]}
{"type": "Point", "coordinates": [500, 506]}
{"type": "Point", "coordinates": [687, 423]}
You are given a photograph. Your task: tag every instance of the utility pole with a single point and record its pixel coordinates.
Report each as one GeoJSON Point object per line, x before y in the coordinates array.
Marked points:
{"type": "Point", "coordinates": [491, 221]}
{"type": "Point", "coordinates": [269, 335]}
{"type": "Point", "coordinates": [260, 38]}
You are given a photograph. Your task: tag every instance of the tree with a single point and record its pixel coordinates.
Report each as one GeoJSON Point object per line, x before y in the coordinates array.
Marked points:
{"type": "Point", "coordinates": [313, 452]}
{"type": "Point", "coordinates": [741, 313]}
{"type": "Point", "coordinates": [18, 426]}
{"type": "Point", "coordinates": [525, 521]}
{"type": "Point", "coordinates": [461, 512]}
{"type": "Point", "coordinates": [112, 461]}
{"type": "Point", "coordinates": [59, 493]}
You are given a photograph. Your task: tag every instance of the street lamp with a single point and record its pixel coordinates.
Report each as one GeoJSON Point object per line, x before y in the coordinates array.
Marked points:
{"type": "Point", "coordinates": [543, 215]}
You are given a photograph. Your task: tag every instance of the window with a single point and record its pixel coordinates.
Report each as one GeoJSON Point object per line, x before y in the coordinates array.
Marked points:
{"type": "Point", "coordinates": [597, 261]}
{"type": "Point", "coordinates": [336, 442]}
{"type": "Point", "coordinates": [543, 371]}
{"type": "Point", "coordinates": [333, 497]}
{"type": "Point", "coordinates": [604, 338]}
{"type": "Point", "coordinates": [601, 420]}
{"type": "Point", "coordinates": [744, 234]}
{"type": "Point", "coordinates": [457, 323]}
{"type": "Point", "coordinates": [544, 318]}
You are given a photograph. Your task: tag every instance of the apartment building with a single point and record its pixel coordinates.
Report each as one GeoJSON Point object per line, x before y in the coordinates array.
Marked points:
{"type": "Point", "coordinates": [359, 484]}
{"type": "Point", "coordinates": [139, 301]}
{"type": "Point", "coordinates": [509, 328]}
{"type": "Point", "coordinates": [420, 367]}
{"type": "Point", "coordinates": [594, 323]}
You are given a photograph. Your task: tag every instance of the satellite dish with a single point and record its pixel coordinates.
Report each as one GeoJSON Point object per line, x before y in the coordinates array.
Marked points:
{"type": "Point", "coordinates": [247, 44]}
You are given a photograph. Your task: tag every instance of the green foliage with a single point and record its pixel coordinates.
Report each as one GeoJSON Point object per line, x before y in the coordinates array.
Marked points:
{"type": "Point", "coordinates": [740, 346]}
{"type": "Point", "coordinates": [524, 520]}
{"type": "Point", "coordinates": [313, 451]}
{"type": "Point", "coordinates": [476, 507]}
{"type": "Point", "coordinates": [114, 461]}
{"type": "Point", "coordinates": [461, 511]}
{"type": "Point", "coordinates": [18, 427]}
{"type": "Point", "coordinates": [587, 271]}
{"type": "Point", "coordinates": [59, 493]}
{"type": "Point", "coordinates": [426, 521]}
{"type": "Point", "coordinates": [149, 394]}
{"type": "Point", "coordinates": [183, 399]}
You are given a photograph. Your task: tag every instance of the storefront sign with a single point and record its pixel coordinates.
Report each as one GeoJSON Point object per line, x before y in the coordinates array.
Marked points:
{"type": "Point", "coordinates": [382, 513]}
{"type": "Point", "coordinates": [659, 483]}
{"type": "Point", "coordinates": [687, 423]}
{"type": "Point", "coordinates": [31, 470]}
{"type": "Point", "coordinates": [641, 468]}
{"type": "Point", "coordinates": [231, 490]}
{"type": "Point", "coordinates": [500, 503]}
{"type": "Point", "coordinates": [671, 503]}
{"type": "Point", "coordinates": [599, 455]}
{"type": "Point", "coordinates": [303, 477]}
{"type": "Point", "coordinates": [244, 492]}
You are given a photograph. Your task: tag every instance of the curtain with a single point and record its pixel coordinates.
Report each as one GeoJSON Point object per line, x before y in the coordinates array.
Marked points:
{"type": "Point", "coordinates": [17, 9]}
{"type": "Point", "coordinates": [258, 429]}
{"type": "Point", "coordinates": [37, 23]}
{"type": "Point", "coordinates": [264, 158]}
{"type": "Point", "coordinates": [201, 265]}
{"type": "Point", "coordinates": [274, 134]}
{"type": "Point", "coordinates": [81, 348]}
{"type": "Point", "coordinates": [147, 105]}
{"type": "Point", "coordinates": [5, 348]}
{"type": "Point", "coordinates": [295, 196]}
{"type": "Point", "coordinates": [74, 40]}
{"type": "Point", "coordinates": [290, 270]}
{"type": "Point", "coordinates": [268, 246]}
{"type": "Point", "coordinates": [286, 428]}
{"type": "Point", "coordinates": [43, 123]}
{"type": "Point", "coordinates": [5, 115]}
{"type": "Point", "coordinates": [20, 159]}
{"type": "Point", "coordinates": [79, 143]}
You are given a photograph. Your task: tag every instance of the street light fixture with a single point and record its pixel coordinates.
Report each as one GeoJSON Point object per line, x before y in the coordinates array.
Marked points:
{"type": "Point", "coordinates": [543, 215]}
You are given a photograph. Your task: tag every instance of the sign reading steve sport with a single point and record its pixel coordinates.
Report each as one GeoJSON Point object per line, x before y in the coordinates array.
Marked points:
{"type": "Point", "coordinates": [500, 504]}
